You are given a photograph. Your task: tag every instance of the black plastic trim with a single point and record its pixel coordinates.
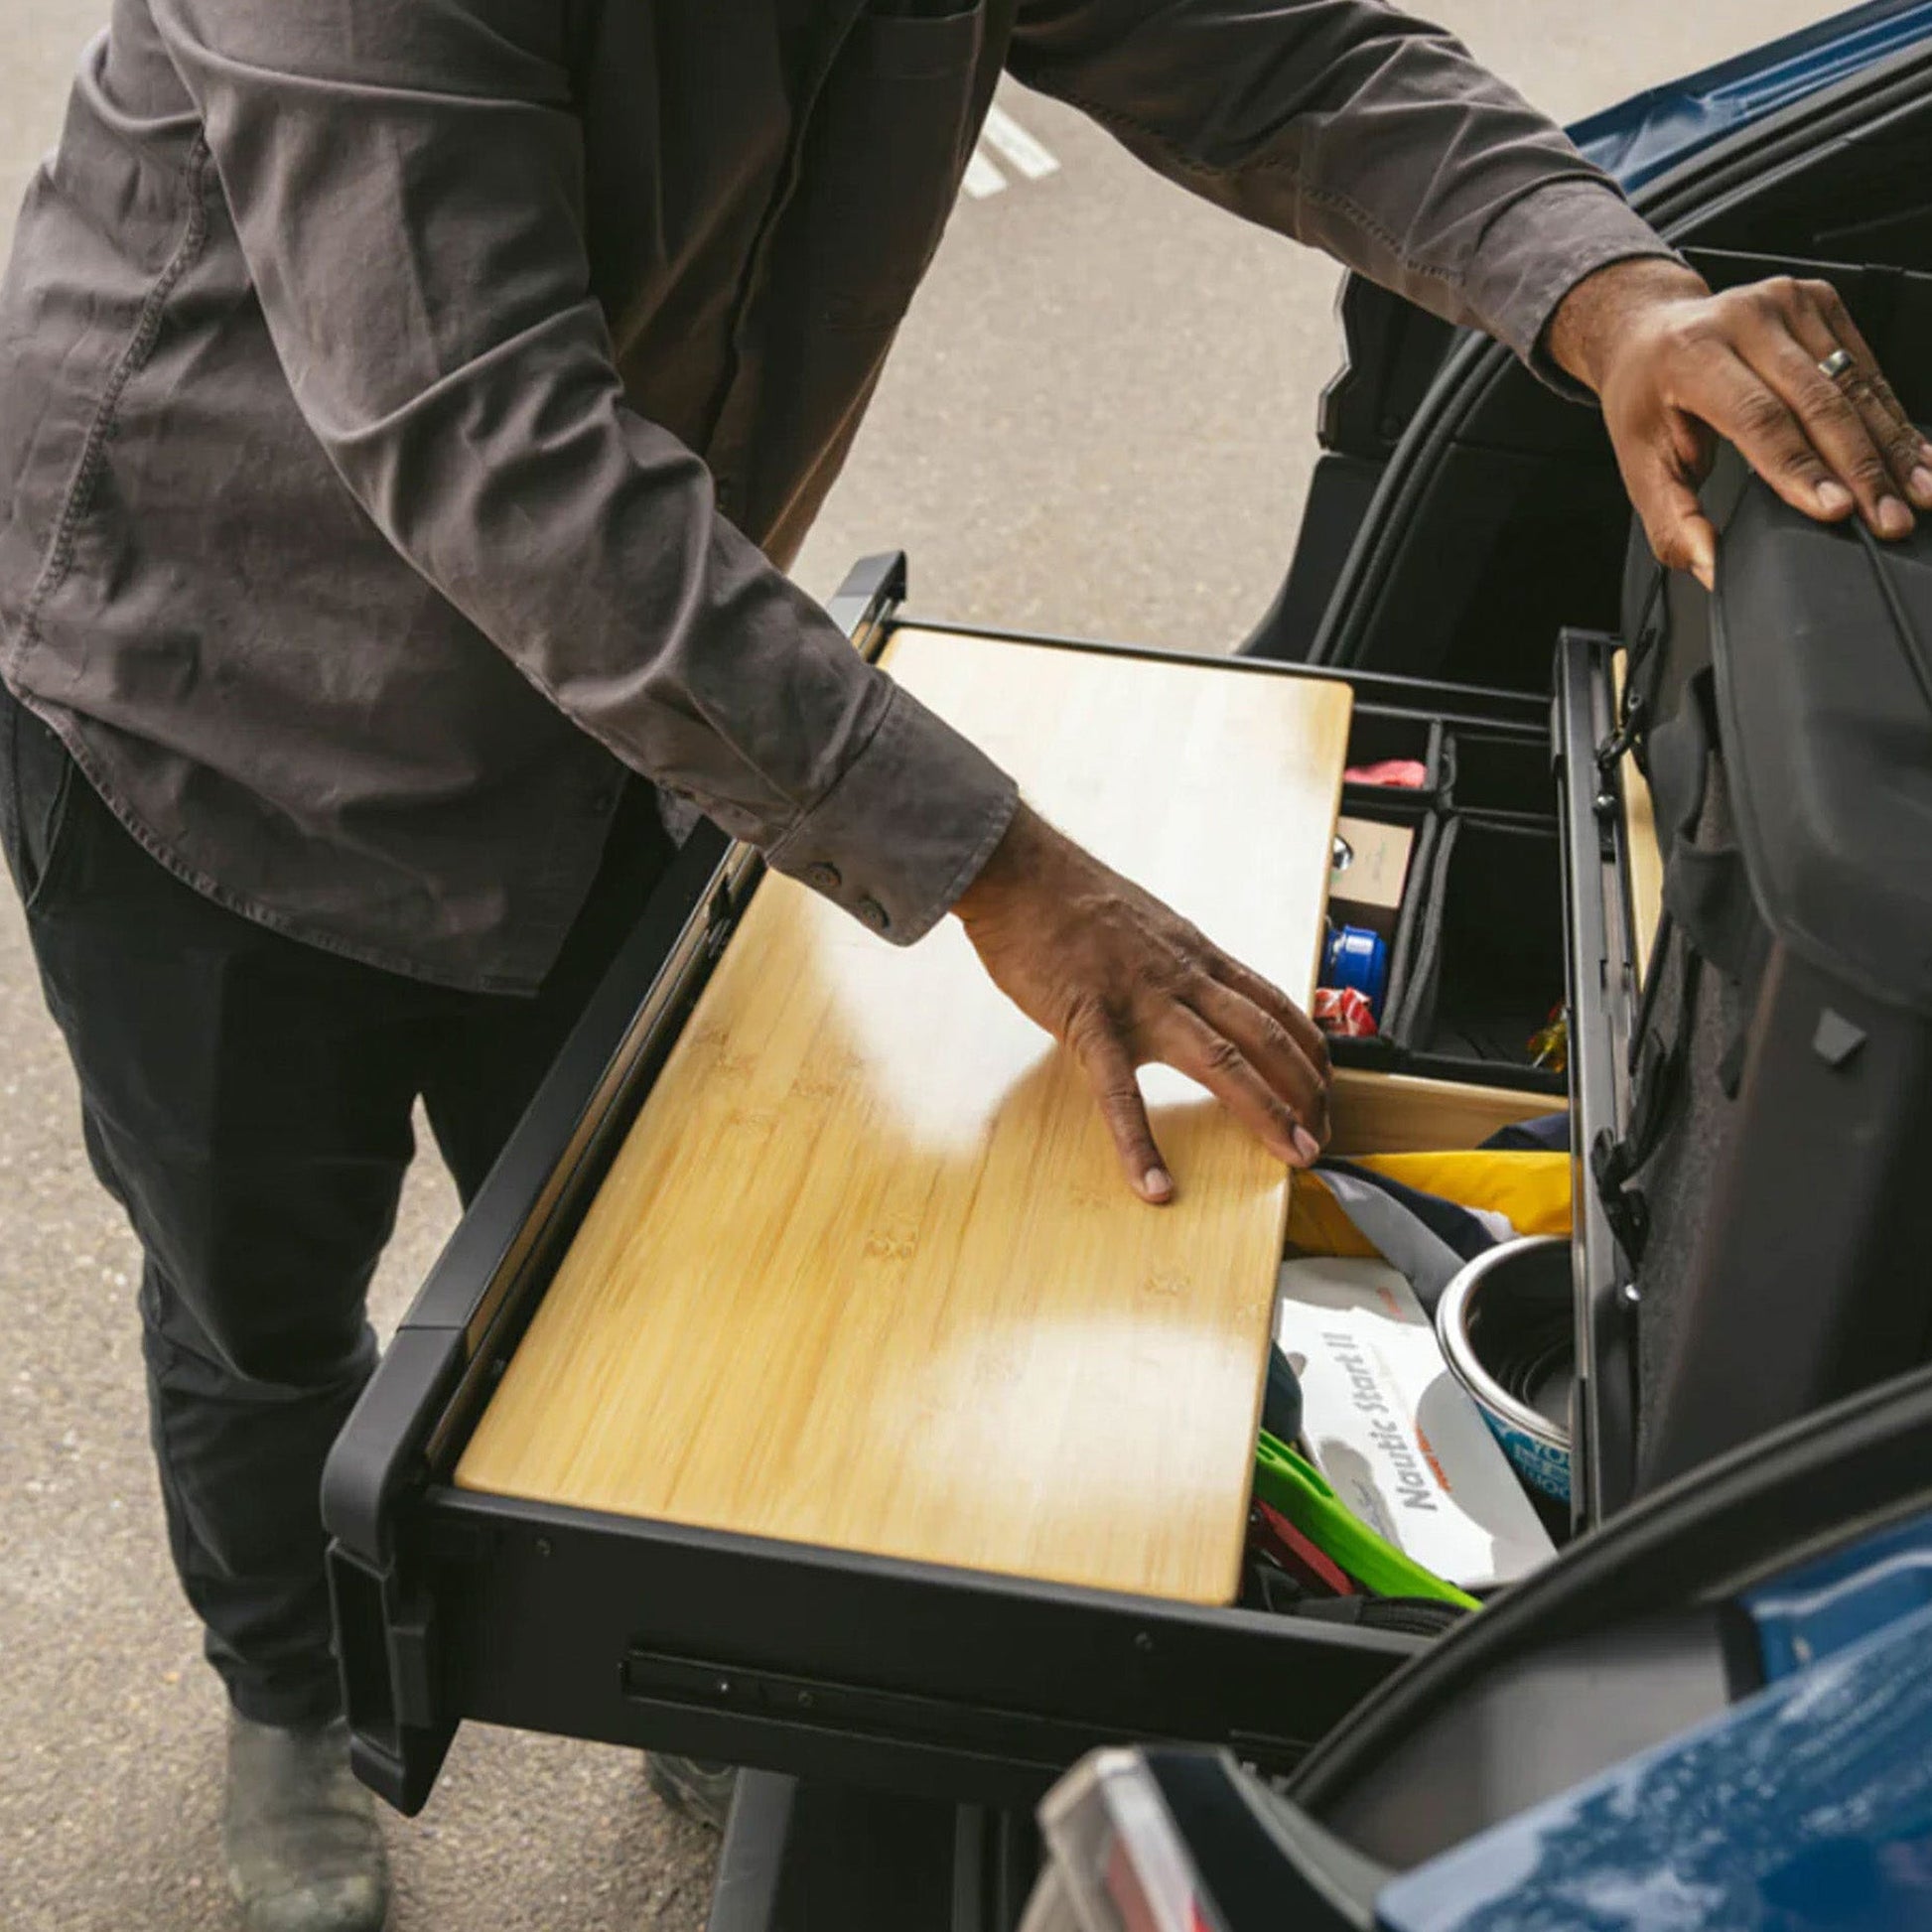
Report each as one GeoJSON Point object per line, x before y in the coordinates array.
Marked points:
{"type": "Point", "coordinates": [1601, 995]}
{"type": "Point", "coordinates": [859, 1670]}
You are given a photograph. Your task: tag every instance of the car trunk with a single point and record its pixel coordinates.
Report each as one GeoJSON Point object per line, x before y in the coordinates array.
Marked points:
{"type": "Point", "coordinates": [1495, 524]}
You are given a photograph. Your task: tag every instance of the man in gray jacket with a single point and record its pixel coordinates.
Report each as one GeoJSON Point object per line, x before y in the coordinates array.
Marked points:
{"type": "Point", "coordinates": [409, 411]}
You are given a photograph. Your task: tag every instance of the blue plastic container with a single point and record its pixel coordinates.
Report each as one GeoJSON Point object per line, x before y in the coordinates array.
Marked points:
{"type": "Point", "coordinates": [1358, 957]}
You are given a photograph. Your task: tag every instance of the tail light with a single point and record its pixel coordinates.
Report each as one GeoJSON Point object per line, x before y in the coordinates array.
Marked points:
{"type": "Point", "coordinates": [1116, 1860]}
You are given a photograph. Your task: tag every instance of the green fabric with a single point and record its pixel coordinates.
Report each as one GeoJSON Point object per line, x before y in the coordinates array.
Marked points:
{"type": "Point", "coordinates": [1292, 1485]}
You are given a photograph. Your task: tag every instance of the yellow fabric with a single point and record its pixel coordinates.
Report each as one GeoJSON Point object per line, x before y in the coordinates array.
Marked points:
{"type": "Point", "coordinates": [1531, 1189]}
{"type": "Point", "coordinates": [1317, 1226]}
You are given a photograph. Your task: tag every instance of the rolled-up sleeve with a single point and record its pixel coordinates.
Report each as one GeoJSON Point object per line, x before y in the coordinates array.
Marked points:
{"type": "Point", "coordinates": [406, 182]}
{"type": "Point", "coordinates": [1353, 127]}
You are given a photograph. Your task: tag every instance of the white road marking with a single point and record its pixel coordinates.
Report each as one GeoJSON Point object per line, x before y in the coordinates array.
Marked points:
{"type": "Point", "coordinates": [982, 178]}
{"type": "Point", "coordinates": [1017, 147]}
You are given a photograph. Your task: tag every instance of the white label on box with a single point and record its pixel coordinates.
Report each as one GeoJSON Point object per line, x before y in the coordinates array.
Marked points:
{"type": "Point", "coordinates": [1404, 1445]}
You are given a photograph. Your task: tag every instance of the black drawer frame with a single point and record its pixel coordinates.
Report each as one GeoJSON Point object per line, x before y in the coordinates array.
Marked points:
{"type": "Point", "coordinates": [1602, 998]}
{"type": "Point", "coordinates": [454, 1605]}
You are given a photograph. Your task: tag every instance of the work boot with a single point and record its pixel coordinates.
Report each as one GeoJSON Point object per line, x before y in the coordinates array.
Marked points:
{"type": "Point", "coordinates": [692, 1788]}
{"type": "Point", "coordinates": [299, 1833]}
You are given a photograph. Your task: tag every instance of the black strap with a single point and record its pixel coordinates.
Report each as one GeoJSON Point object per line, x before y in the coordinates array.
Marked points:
{"type": "Point", "coordinates": [1710, 897]}
{"type": "Point", "coordinates": [1654, 1088]}
{"type": "Point", "coordinates": [1707, 888]}
{"type": "Point", "coordinates": [1678, 757]}
{"type": "Point", "coordinates": [1709, 893]}
{"type": "Point", "coordinates": [1680, 764]}
{"type": "Point", "coordinates": [1711, 919]}
{"type": "Point", "coordinates": [1910, 639]}
{"type": "Point", "coordinates": [1643, 672]}
{"type": "Point", "coordinates": [1710, 916]}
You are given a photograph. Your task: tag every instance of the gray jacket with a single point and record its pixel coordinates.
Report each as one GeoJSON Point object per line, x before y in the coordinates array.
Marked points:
{"type": "Point", "coordinates": [407, 407]}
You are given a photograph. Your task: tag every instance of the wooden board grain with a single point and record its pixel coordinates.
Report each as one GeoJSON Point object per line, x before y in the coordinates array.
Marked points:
{"type": "Point", "coordinates": [1398, 1113]}
{"type": "Point", "coordinates": [1640, 841]}
{"type": "Point", "coordinates": [865, 1273]}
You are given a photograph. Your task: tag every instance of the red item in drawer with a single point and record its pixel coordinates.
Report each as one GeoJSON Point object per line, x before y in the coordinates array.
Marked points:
{"type": "Point", "coordinates": [1343, 1009]}
{"type": "Point", "coordinates": [1405, 775]}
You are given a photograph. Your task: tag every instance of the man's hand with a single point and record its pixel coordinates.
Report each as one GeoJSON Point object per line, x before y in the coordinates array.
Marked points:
{"type": "Point", "coordinates": [1121, 980]}
{"type": "Point", "coordinates": [1672, 363]}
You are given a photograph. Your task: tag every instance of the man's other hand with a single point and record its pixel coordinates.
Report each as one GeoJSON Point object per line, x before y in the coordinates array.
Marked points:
{"type": "Point", "coordinates": [1122, 980]}
{"type": "Point", "coordinates": [1672, 363]}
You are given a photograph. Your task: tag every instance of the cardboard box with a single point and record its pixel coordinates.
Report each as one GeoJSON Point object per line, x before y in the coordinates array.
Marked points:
{"type": "Point", "coordinates": [1394, 1432]}
{"type": "Point", "coordinates": [1371, 865]}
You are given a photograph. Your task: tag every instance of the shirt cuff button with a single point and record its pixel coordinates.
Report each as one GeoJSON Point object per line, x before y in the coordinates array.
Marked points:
{"type": "Point", "coordinates": [874, 914]}
{"type": "Point", "coordinates": [823, 878]}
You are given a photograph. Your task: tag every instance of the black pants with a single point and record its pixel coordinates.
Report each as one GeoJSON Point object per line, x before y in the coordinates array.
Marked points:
{"type": "Point", "coordinates": [248, 1100]}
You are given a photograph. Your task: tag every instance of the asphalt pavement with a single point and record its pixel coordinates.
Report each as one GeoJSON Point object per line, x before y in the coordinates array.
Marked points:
{"type": "Point", "coordinates": [1099, 420]}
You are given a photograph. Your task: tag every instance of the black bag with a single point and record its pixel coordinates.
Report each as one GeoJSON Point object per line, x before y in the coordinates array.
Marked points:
{"type": "Point", "coordinates": [1773, 1189]}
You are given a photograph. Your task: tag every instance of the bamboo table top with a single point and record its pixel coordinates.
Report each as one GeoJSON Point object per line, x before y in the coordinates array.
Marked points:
{"type": "Point", "coordinates": [865, 1274]}
{"type": "Point", "coordinates": [1640, 841]}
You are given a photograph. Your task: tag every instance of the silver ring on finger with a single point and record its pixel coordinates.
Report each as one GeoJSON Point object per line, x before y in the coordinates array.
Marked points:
{"type": "Point", "coordinates": [1835, 366]}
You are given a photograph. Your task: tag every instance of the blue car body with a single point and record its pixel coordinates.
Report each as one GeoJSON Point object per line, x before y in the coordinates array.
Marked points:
{"type": "Point", "coordinates": [1650, 133]}
{"type": "Point", "coordinates": [1806, 1808]}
